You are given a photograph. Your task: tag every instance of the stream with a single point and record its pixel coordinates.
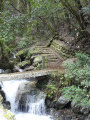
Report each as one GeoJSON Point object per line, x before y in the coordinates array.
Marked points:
{"type": "Point", "coordinates": [23, 105]}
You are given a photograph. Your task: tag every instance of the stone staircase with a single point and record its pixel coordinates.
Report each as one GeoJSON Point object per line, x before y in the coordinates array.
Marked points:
{"type": "Point", "coordinates": [52, 59]}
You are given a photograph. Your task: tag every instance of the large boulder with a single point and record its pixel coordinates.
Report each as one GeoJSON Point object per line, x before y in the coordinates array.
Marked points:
{"type": "Point", "coordinates": [1, 99]}
{"type": "Point", "coordinates": [23, 91]}
{"type": "Point", "coordinates": [62, 102]}
{"type": "Point", "coordinates": [27, 93]}
{"type": "Point", "coordinates": [37, 60]}
{"type": "Point", "coordinates": [25, 87]}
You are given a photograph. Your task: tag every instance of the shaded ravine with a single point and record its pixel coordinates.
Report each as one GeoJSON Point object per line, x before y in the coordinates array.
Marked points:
{"type": "Point", "coordinates": [33, 107]}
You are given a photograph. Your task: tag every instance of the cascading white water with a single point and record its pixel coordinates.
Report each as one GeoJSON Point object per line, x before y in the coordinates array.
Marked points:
{"type": "Point", "coordinates": [34, 108]}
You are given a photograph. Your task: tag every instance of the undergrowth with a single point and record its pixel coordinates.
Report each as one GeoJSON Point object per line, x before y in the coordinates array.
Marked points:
{"type": "Point", "coordinates": [77, 77]}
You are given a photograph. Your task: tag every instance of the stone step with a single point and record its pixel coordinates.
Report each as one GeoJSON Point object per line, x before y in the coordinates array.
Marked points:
{"type": "Point", "coordinates": [52, 57]}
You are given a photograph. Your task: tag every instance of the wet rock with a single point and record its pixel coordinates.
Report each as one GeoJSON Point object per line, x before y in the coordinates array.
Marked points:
{"type": "Point", "coordinates": [1, 71]}
{"type": "Point", "coordinates": [7, 105]}
{"type": "Point", "coordinates": [62, 102]}
{"type": "Point", "coordinates": [49, 102]}
{"type": "Point", "coordinates": [27, 92]}
{"type": "Point", "coordinates": [0, 87]}
{"type": "Point", "coordinates": [3, 95]}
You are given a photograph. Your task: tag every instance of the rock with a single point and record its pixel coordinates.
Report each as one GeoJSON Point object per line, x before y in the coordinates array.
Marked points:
{"type": "Point", "coordinates": [29, 68]}
{"type": "Point", "coordinates": [75, 107]}
{"type": "Point", "coordinates": [23, 64]}
{"type": "Point", "coordinates": [1, 71]}
{"type": "Point", "coordinates": [27, 92]}
{"type": "Point", "coordinates": [69, 61]}
{"type": "Point", "coordinates": [85, 110]}
{"type": "Point", "coordinates": [62, 102]}
{"type": "Point", "coordinates": [16, 69]}
{"type": "Point", "coordinates": [3, 95]}
{"type": "Point", "coordinates": [1, 99]}
{"type": "Point", "coordinates": [6, 64]}
{"type": "Point", "coordinates": [49, 102]}
{"type": "Point", "coordinates": [7, 105]}
{"type": "Point", "coordinates": [7, 71]}
{"type": "Point", "coordinates": [22, 54]}
{"type": "Point", "coordinates": [37, 60]}
{"type": "Point", "coordinates": [23, 91]}
{"type": "Point", "coordinates": [88, 118]}
{"type": "Point", "coordinates": [0, 87]}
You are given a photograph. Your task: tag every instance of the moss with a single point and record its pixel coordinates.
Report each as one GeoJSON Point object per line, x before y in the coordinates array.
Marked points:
{"type": "Point", "coordinates": [38, 59]}
{"type": "Point", "coordinates": [61, 49]}
{"type": "Point", "coordinates": [23, 64]}
{"type": "Point", "coordinates": [22, 54]}
{"type": "Point", "coordinates": [39, 67]}
{"type": "Point", "coordinates": [7, 65]}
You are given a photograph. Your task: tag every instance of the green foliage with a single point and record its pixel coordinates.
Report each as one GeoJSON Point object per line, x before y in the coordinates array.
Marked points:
{"type": "Point", "coordinates": [77, 76]}
{"type": "Point", "coordinates": [24, 63]}
{"type": "Point", "coordinates": [76, 94]}
{"type": "Point", "coordinates": [10, 27]}
{"type": "Point", "coordinates": [51, 90]}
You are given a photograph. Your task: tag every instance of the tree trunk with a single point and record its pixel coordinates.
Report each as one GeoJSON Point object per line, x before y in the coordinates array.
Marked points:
{"type": "Point", "coordinates": [1, 5]}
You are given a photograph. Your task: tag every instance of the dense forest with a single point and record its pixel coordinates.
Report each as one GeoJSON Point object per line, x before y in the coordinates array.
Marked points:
{"type": "Point", "coordinates": [26, 22]}
{"type": "Point", "coordinates": [23, 22]}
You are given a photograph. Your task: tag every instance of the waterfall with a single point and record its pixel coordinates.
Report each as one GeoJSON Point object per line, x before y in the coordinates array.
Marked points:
{"type": "Point", "coordinates": [28, 105]}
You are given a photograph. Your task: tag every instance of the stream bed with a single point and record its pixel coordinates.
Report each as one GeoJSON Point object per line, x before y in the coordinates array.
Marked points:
{"type": "Point", "coordinates": [25, 105]}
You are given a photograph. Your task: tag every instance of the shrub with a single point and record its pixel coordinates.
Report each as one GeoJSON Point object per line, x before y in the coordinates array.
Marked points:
{"type": "Point", "coordinates": [77, 76]}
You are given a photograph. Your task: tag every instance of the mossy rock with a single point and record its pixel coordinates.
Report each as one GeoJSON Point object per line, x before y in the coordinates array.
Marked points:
{"type": "Point", "coordinates": [29, 54]}
{"type": "Point", "coordinates": [39, 67]}
{"type": "Point", "coordinates": [7, 65]}
{"type": "Point", "coordinates": [22, 54]}
{"type": "Point", "coordinates": [38, 59]}
{"type": "Point", "coordinates": [23, 64]}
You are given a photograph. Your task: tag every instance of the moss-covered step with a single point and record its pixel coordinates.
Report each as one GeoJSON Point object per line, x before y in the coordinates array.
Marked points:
{"type": "Point", "coordinates": [62, 49]}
